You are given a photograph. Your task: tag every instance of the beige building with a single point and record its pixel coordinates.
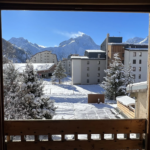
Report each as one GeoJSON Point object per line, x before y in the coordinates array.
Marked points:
{"type": "Point", "coordinates": [139, 92]}
{"type": "Point", "coordinates": [44, 57]}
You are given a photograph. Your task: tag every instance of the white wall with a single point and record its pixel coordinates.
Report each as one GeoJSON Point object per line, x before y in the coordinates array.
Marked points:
{"type": "Point", "coordinates": [129, 58]}
{"type": "Point", "coordinates": [76, 71]}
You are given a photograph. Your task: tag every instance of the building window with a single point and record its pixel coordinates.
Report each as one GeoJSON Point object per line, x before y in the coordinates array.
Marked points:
{"type": "Point", "coordinates": [139, 76]}
{"type": "Point", "coordinates": [98, 62]}
{"type": "Point", "coordinates": [134, 68]}
{"type": "Point", "coordinates": [87, 75]}
{"type": "Point", "coordinates": [134, 76]}
{"type": "Point", "coordinates": [134, 61]}
{"type": "Point", "coordinates": [122, 61]}
{"type": "Point", "coordinates": [87, 80]}
{"type": "Point", "coordinates": [98, 74]}
{"type": "Point", "coordinates": [139, 68]}
{"type": "Point", "coordinates": [87, 68]}
{"type": "Point", "coordinates": [98, 68]}
{"type": "Point", "coordinates": [122, 54]}
{"type": "Point", "coordinates": [134, 54]}
{"type": "Point", "coordinates": [98, 80]}
{"type": "Point", "coordinates": [88, 62]}
{"type": "Point", "coordinates": [140, 61]}
{"type": "Point", "coordinates": [99, 55]}
{"type": "Point", "coordinates": [140, 54]}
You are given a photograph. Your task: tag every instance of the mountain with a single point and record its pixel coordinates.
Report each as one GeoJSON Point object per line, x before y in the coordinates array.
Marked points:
{"type": "Point", "coordinates": [14, 53]}
{"type": "Point", "coordinates": [145, 41]}
{"type": "Point", "coordinates": [29, 47]}
{"type": "Point", "coordinates": [138, 40]}
{"type": "Point", "coordinates": [73, 45]}
{"type": "Point", "coordinates": [134, 40]}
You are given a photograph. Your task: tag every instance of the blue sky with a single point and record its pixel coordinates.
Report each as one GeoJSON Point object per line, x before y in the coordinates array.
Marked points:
{"type": "Point", "coordinates": [49, 28]}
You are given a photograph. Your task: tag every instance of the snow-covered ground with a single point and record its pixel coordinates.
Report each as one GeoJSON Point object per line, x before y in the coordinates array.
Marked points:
{"type": "Point", "coordinates": [72, 101]}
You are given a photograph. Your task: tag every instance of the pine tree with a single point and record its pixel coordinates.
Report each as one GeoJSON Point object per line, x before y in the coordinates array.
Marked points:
{"type": "Point", "coordinates": [38, 105]}
{"type": "Point", "coordinates": [12, 93]}
{"type": "Point", "coordinates": [25, 100]}
{"type": "Point", "coordinates": [59, 72]}
{"type": "Point", "coordinates": [114, 83]}
{"type": "Point", "coordinates": [129, 75]}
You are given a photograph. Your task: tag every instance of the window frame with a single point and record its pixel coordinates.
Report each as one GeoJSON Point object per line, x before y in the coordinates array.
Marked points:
{"type": "Point", "coordinates": [101, 6]}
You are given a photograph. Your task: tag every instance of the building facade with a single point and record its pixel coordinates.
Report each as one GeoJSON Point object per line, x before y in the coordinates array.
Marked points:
{"type": "Point", "coordinates": [67, 64]}
{"type": "Point", "coordinates": [104, 45]}
{"type": "Point", "coordinates": [86, 70]}
{"type": "Point", "coordinates": [138, 60]}
{"type": "Point", "coordinates": [44, 57]}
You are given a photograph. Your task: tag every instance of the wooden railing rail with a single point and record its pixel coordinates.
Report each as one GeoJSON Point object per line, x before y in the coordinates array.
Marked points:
{"type": "Point", "coordinates": [75, 128]}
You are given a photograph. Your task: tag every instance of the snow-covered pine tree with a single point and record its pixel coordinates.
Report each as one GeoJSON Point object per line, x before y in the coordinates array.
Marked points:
{"type": "Point", "coordinates": [37, 105]}
{"type": "Point", "coordinates": [12, 108]}
{"type": "Point", "coordinates": [59, 72]}
{"type": "Point", "coordinates": [114, 83]}
{"type": "Point", "coordinates": [129, 75]}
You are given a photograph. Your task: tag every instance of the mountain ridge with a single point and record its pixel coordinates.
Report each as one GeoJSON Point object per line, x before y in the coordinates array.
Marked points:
{"type": "Point", "coordinates": [65, 48]}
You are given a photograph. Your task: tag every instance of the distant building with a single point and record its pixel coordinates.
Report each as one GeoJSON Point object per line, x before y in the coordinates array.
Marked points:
{"type": "Point", "coordinates": [114, 45]}
{"type": "Point", "coordinates": [104, 46]}
{"type": "Point", "coordinates": [138, 59]}
{"type": "Point", "coordinates": [44, 57]}
{"type": "Point", "coordinates": [89, 69]}
{"type": "Point", "coordinates": [67, 64]}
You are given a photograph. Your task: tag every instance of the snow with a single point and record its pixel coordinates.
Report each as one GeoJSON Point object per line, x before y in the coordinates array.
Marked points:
{"type": "Point", "coordinates": [37, 66]}
{"type": "Point", "coordinates": [126, 100]}
{"type": "Point", "coordinates": [137, 86]}
{"type": "Point", "coordinates": [97, 51]}
{"type": "Point", "coordinates": [72, 101]}
{"type": "Point", "coordinates": [83, 111]}
{"type": "Point", "coordinates": [79, 57]}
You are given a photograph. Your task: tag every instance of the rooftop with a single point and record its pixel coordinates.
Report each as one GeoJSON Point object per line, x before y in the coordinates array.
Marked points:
{"type": "Point", "coordinates": [96, 51]}
{"type": "Point", "coordinates": [137, 49]}
{"type": "Point", "coordinates": [126, 100]}
{"type": "Point", "coordinates": [126, 44]}
{"type": "Point", "coordinates": [37, 66]}
{"type": "Point", "coordinates": [140, 86]}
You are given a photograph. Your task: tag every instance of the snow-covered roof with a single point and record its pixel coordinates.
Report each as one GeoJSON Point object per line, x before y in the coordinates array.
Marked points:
{"type": "Point", "coordinates": [137, 49]}
{"type": "Point", "coordinates": [127, 44]}
{"type": "Point", "coordinates": [126, 100]}
{"type": "Point", "coordinates": [37, 66]}
{"type": "Point", "coordinates": [80, 57]}
{"type": "Point", "coordinates": [96, 51]}
{"type": "Point", "coordinates": [136, 87]}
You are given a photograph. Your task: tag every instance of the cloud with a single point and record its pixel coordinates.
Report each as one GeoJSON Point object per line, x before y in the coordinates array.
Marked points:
{"type": "Point", "coordinates": [70, 34]}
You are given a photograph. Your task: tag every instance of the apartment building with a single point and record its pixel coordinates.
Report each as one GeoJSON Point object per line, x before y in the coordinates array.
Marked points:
{"type": "Point", "coordinates": [44, 57]}
{"type": "Point", "coordinates": [104, 46]}
{"type": "Point", "coordinates": [138, 59]}
{"type": "Point", "coordinates": [67, 64]}
{"type": "Point", "coordinates": [89, 69]}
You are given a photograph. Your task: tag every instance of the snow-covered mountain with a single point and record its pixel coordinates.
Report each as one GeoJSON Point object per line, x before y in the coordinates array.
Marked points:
{"type": "Point", "coordinates": [73, 45]}
{"type": "Point", "coordinates": [134, 40]}
{"type": "Point", "coordinates": [138, 40]}
{"type": "Point", "coordinates": [13, 52]}
{"type": "Point", "coordinates": [145, 41]}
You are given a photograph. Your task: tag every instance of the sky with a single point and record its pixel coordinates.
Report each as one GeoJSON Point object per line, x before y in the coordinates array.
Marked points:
{"type": "Point", "coordinates": [49, 28]}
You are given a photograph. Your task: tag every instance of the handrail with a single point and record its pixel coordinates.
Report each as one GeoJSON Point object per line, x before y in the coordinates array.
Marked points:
{"type": "Point", "coordinates": [75, 127]}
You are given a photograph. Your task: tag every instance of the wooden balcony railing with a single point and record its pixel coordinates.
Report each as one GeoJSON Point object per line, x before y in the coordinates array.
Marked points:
{"type": "Point", "coordinates": [75, 127]}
